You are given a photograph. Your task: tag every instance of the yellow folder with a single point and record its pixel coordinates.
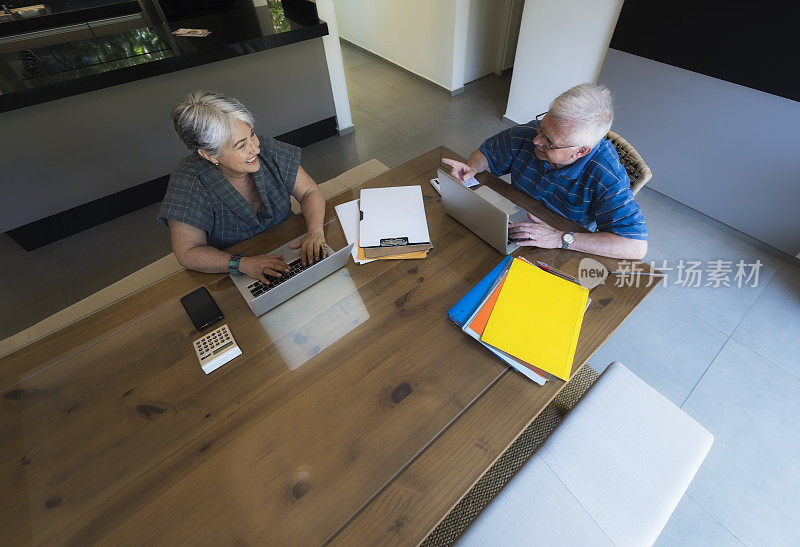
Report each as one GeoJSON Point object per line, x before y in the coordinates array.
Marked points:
{"type": "Point", "coordinates": [537, 318]}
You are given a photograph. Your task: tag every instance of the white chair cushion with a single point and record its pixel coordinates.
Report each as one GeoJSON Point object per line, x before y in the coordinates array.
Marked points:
{"type": "Point", "coordinates": [534, 508]}
{"type": "Point", "coordinates": [625, 453]}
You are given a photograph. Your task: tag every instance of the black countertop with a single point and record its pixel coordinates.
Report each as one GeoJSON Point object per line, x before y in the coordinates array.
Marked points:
{"type": "Point", "coordinates": [53, 72]}
{"type": "Point", "coordinates": [67, 12]}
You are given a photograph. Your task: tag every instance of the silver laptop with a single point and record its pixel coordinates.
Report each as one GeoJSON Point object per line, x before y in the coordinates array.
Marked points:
{"type": "Point", "coordinates": [483, 211]}
{"type": "Point", "coordinates": [261, 298]}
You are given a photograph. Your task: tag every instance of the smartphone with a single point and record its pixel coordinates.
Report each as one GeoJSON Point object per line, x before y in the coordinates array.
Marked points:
{"type": "Point", "coordinates": [202, 309]}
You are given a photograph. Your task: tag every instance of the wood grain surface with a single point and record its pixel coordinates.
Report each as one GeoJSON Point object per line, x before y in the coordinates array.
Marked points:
{"type": "Point", "coordinates": [110, 433]}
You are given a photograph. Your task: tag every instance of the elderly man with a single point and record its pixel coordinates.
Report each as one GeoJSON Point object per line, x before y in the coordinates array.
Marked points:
{"type": "Point", "coordinates": [563, 160]}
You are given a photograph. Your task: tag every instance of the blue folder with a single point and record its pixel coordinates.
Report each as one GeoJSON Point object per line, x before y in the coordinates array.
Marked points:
{"type": "Point", "coordinates": [465, 307]}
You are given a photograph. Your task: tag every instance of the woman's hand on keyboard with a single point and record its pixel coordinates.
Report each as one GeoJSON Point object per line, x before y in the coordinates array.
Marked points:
{"type": "Point", "coordinates": [312, 247]}
{"type": "Point", "coordinates": [260, 266]}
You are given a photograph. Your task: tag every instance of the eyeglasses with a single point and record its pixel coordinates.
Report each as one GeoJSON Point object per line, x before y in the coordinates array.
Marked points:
{"type": "Point", "coordinates": [548, 142]}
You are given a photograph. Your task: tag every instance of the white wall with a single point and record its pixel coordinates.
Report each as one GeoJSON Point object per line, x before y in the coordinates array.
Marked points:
{"type": "Point", "coordinates": [333, 58]}
{"type": "Point", "coordinates": [561, 44]}
{"type": "Point", "coordinates": [449, 42]}
{"type": "Point", "coordinates": [418, 35]}
{"type": "Point", "coordinates": [689, 129]}
{"type": "Point", "coordinates": [483, 34]}
{"type": "Point", "coordinates": [509, 49]}
{"type": "Point", "coordinates": [460, 37]}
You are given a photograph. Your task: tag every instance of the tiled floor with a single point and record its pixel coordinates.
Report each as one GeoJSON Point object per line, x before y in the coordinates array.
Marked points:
{"type": "Point", "coordinates": [729, 356]}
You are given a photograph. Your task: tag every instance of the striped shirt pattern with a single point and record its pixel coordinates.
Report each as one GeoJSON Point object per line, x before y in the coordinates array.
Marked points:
{"type": "Point", "coordinates": [595, 191]}
{"type": "Point", "coordinates": [199, 195]}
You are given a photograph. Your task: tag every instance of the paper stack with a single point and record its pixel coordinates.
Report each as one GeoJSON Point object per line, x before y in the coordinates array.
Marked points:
{"type": "Point", "coordinates": [393, 222]}
{"type": "Point", "coordinates": [386, 224]}
{"type": "Point", "coordinates": [528, 317]}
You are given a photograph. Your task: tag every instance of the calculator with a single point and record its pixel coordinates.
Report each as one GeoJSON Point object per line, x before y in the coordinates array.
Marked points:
{"type": "Point", "coordinates": [216, 348]}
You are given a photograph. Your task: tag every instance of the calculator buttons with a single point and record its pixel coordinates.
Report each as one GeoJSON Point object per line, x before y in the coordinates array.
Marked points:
{"type": "Point", "coordinates": [216, 348]}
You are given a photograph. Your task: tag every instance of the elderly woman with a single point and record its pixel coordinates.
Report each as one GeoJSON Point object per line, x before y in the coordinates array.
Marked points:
{"type": "Point", "coordinates": [232, 186]}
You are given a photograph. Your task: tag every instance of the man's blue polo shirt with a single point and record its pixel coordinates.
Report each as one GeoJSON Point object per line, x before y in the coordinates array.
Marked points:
{"type": "Point", "coordinates": [595, 191]}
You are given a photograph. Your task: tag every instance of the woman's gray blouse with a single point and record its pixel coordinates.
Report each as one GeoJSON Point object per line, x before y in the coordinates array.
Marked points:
{"type": "Point", "coordinates": [199, 195]}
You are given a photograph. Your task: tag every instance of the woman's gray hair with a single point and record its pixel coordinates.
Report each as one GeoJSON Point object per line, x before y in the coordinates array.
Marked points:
{"type": "Point", "coordinates": [585, 112]}
{"type": "Point", "coordinates": [206, 120]}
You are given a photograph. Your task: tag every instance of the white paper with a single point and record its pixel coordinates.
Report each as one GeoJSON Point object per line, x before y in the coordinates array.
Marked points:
{"type": "Point", "coordinates": [469, 184]}
{"type": "Point", "coordinates": [348, 217]}
{"type": "Point", "coordinates": [392, 212]}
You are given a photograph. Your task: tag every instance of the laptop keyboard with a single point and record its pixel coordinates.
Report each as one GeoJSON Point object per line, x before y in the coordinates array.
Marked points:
{"type": "Point", "coordinates": [258, 288]}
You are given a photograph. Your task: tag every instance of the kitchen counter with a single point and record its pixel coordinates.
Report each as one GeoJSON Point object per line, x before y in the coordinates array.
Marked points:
{"type": "Point", "coordinates": [87, 121]}
{"type": "Point", "coordinates": [35, 76]}
{"type": "Point", "coordinates": [67, 12]}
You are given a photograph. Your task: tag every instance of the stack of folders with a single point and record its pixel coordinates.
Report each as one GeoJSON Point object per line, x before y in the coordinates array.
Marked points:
{"type": "Point", "coordinates": [527, 317]}
{"type": "Point", "coordinates": [392, 223]}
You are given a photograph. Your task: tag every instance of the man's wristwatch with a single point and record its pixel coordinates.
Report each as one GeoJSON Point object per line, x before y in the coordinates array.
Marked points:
{"type": "Point", "coordinates": [233, 264]}
{"type": "Point", "coordinates": [567, 239]}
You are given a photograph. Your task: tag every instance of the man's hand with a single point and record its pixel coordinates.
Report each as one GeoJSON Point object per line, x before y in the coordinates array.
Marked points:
{"type": "Point", "coordinates": [258, 267]}
{"type": "Point", "coordinates": [461, 171]}
{"type": "Point", "coordinates": [536, 233]}
{"type": "Point", "coordinates": [312, 247]}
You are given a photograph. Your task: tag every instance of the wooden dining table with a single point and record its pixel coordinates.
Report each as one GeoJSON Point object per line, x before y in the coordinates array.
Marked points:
{"type": "Point", "coordinates": [357, 414]}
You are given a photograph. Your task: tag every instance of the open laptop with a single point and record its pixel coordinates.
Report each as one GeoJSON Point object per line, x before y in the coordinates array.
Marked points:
{"type": "Point", "coordinates": [261, 298]}
{"type": "Point", "coordinates": [483, 211]}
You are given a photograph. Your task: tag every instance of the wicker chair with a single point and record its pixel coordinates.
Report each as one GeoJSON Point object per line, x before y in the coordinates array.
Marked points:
{"type": "Point", "coordinates": [637, 169]}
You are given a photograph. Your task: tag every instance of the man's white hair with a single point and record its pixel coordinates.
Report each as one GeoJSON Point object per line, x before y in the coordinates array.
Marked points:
{"type": "Point", "coordinates": [206, 120]}
{"type": "Point", "coordinates": [585, 113]}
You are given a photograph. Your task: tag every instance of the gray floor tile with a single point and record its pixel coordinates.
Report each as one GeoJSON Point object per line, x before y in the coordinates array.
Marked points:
{"type": "Point", "coordinates": [466, 132]}
{"type": "Point", "coordinates": [353, 57]}
{"type": "Point", "coordinates": [29, 298]}
{"type": "Point", "coordinates": [323, 165]}
{"type": "Point", "coordinates": [370, 136]}
{"type": "Point", "coordinates": [30, 291]}
{"type": "Point", "coordinates": [40, 271]}
{"type": "Point", "coordinates": [329, 158]}
{"type": "Point", "coordinates": [357, 91]}
{"type": "Point", "coordinates": [749, 482]}
{"type": "Point", "coordinates": [66, 271]}
{"type": "Point", "coordinates": [30, 306]}
{"type": "Point", "coordinates": [772, 325]}
{"type": "Point", "coordinates": [126, 244]}
{"type": "Point", "coordinates": [675, 236]}
{"type": "Point", "coordinates": [414, 116]}
{"type": "Point", "coordinates": [405, 149]}
{"type": "Point", "coordinates": [415, 108]}
{"type": "Point", "coordinates": [380, 83]}
{"type": "Point", "coordinates": [489, 93]}
{"type": "Point", "coordinates": [664, 345]}
{"type": "Point", "coordinates": [691, 525]}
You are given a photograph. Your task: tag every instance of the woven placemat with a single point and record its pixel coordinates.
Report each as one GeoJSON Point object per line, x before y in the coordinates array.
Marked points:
{"type": "Point", "coordinates": [510, 461]}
